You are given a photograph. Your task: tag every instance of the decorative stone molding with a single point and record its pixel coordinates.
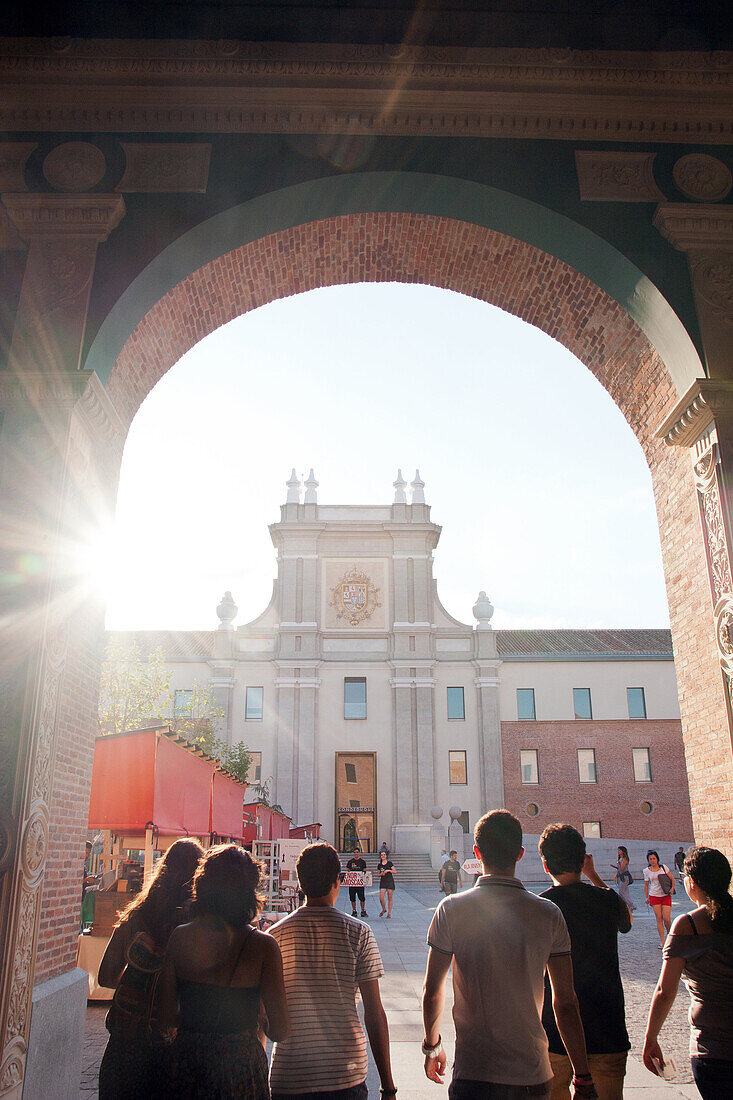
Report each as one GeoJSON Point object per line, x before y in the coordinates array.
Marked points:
{"type": "Point", "coordinates": [702, 177]}
{"type": "Point", "coordinates": [688, 228]}
{"type": "Point", "coordinates": [13, 157]}
{"type": "Point", "coordinates": [75, 166]}
{"type": "Point", "coordinates": [291, 87]}
{"type": "Point", "coordinates": [165, 166]}
{"type": "Point", "coordinates": [82, 216]}
{"type": "Point", "coordinates": [694, 414]}
{"type": "Point", "coordinates": [616, 176]}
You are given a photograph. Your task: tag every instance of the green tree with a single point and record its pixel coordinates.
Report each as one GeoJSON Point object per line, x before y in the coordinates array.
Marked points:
{"type": "Point", "coordinates": [196, 714]}
{"type": "Point", "coordinates": [132, 692]}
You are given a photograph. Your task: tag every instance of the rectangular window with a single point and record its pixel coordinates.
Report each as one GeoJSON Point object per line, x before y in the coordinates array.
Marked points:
{"type": "Point", "coordinates": [350, 773]}
{"type": "Point", "coordinates": [587, 766]}
{"type": "Point", "coordinates": [253, 703]}
{"type": "Point", "coordinates": [254, 772]}
{"type": "Point", "coordinates": [529, 764]}
{"type": "Point", "coordinates": [456, 707]}
{"type": "Point", "coordinates": [463, 822]}
{"type": "Point", "coordinates": [525, 704]}
{"type": "Point", "coordinates": [642, 765]}
{"type": "Point", "coordinates": [581, 703]}
{"type": "Point", "coordinates": [355, 697]}
{"type": "Point", "coordinates": [592, 828]}
{"type": "Point", "coordinates": [354, 803]}
{"type": "Point", "coordinates": [182, 702]}
{"type": "Point", "coordinates": [636, 702]}
{"type": "Point", "coordinates": [457, 767]}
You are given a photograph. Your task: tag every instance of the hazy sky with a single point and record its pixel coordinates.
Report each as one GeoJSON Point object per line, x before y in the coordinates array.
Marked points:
{"type": "Point", "coordinates": [539, 484]}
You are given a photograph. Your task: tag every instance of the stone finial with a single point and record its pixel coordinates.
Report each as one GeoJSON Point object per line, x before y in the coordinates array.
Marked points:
{"type": "Point", "coordinates": [483, 609]}
{"type": "Point", "coordinates": [400, 485]}
{"type": "Point", "coordinates": [227, 612]}
{"type": "Point", "coordinates": [455, 813]}
{"type": "Point", "coordinates": [311, 485]}
{"type": "Point", "coordinates": [293, 485]}
{"type": "Point", "coordinates": [417, 486]}
{"type": "Point", "coordinates": [436, 813]}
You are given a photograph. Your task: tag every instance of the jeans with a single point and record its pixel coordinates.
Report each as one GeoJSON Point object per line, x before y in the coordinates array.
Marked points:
{"type": "Point", "coordinates": [608, 1072]}
{"type": "Point", "coordinates": [713, 1077]}
{"type": "Point", "coordinates": [356, 1092]}
{"type": "Point", "coordinates": [460, 1089]}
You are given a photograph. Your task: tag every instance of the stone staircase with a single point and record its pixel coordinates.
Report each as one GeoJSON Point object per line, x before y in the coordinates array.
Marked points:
{"type": "Point", "coordinates": [408, 868]}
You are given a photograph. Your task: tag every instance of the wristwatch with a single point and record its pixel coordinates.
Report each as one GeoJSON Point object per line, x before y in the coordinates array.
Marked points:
{"type": "Point", "coordinates": [431, 1052]}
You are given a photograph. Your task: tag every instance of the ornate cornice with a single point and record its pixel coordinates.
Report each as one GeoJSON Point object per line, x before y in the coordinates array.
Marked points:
{"type": "Point", "coordinates": [696, 228]}
{"type": "Point", "coordinates": [175, 86]}
{"type": "Point", "coordinates": [40, 215]}
{"type": "Point", "coordinates": [706, 399]}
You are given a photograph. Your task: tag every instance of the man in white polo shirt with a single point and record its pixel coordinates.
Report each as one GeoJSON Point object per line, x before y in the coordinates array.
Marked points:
{"type": "Point", "coordinates": [500, 938]}
{"type": "Point", "coordinates": [327, 956]}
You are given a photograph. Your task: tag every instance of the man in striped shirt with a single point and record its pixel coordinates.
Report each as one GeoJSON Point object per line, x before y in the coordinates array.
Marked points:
{"type": "Point", "coordinates": [327, 957]}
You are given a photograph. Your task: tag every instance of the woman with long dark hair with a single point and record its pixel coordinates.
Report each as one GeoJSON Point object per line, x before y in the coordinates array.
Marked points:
{"type": "Point", "coordinates": [132, 965]}
{"type": "Point", "coordinates": [656, 896]}
{"type": "Point", "coordinates": [700, 951]}
{"type": "Point", "coordinates": [623, 876]}
{"type": "Point", "coordinates": [219, 973]}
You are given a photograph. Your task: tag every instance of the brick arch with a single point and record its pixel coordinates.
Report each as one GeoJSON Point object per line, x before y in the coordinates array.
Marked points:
{"type": "Point", "coordinates": [411, 248]}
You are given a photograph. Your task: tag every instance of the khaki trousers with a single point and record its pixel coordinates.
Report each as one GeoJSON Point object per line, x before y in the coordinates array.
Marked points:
{"type": "Point", "coordinates": [608, 1072]}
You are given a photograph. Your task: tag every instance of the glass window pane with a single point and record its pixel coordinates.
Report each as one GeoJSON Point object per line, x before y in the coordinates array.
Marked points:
{"type": "Point", "coordinates": [253, 702]}
{"type": "Point", "coordinates": [587, 765]}
{"type": "Point", "coordinates": [457, 767]}
{"type": "Point", "coordinates": [581, 703]}
{"type": "Point", "coordinates": [254, 772]}
{"type": "Point", "coordinates": [592, 828]}
{"type": "Point", "coordinates": [350, 773]}
{"type": "Point", "coordinates": [636, 702]}
{"type": "Point", "coordinates": [642, 765]}
{"type": "Point", "coordinates": [456, 707]}
{"type": "Point", "coordinates": [355, 698]}
{"type": "Point", "coordinates": [529, 764]}
{"type": "Point", "coordinates": [182, 701]}
{"type": "Point", "coordinates": [525, 704]}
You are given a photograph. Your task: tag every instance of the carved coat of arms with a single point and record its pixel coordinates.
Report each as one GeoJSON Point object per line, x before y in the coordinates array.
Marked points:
{"type": "Point", "coordinates": [354, 598]}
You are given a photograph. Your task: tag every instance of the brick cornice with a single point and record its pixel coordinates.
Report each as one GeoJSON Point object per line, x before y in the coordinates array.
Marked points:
{"type": "Point", "coordinates": [706, 399]}
{"type": "Point", "coordinates": [155, 86]}
{"type": "Point", "coordinates": [50, 216]}
{"type": "Point", "coordinates": [691, 228]}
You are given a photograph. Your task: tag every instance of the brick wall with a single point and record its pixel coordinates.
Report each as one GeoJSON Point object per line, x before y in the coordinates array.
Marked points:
{"type": "Point", "coordinates": [615, 798]}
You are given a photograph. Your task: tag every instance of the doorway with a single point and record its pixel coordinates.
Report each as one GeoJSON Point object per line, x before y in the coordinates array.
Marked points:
{"type": "Point", "coordinates": [356, 800]}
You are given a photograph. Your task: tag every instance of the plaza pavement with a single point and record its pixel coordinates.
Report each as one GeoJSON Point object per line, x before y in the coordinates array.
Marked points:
{"type": "Point", "coordinates": [402, 945]}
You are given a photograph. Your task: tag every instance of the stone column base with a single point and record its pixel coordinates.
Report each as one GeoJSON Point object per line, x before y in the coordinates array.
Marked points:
{"type": "Point", "coordinates": [58, 1018]}
{"type": "Point", "coordinates": [411, 840]}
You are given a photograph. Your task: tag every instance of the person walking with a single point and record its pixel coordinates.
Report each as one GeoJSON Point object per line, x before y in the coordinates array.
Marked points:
{"type": "Point", "coordinates": [386, 871]}
{"type": "Point", "coordinates": [132, 965]}
{"type": "Point", "coordinates": [700, 950]}
{"type": "Point", "coordinates": [656, 878]}
{"type": "Point", "coordinates": [451, 878]}
{"type": "Point", "coordinates": [356, 863]}
{"type": "Point", "coordinates": [218, 971]}
{"type": "Point", "coordinates": [623, 876]}
{"type": "Point", "coordinates": [679, 859]}
{"type": "Point", "coordinates": [500, 938]}
{"type": "Point", "coordinates": [594, 915]}
{"type": "Point", "coordinates": [327, 958]}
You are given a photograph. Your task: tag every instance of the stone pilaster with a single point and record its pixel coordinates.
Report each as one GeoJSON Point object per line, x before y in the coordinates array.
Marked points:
{"type": "Point", "coordinates": [405, 810]}
{"type": "Point", "coordinates": [285, 758]}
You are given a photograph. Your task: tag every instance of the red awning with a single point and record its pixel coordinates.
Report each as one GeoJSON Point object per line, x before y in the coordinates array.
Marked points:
{"type": "Point", "coordinates": [226, 807]}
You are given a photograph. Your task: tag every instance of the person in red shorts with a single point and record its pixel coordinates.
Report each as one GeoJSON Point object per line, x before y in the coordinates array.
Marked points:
{"type": "Point", "coordinates": [659, 899]}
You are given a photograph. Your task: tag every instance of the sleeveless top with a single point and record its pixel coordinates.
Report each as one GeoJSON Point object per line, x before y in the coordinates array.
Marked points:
{"type": "Point", "coordinates": [219, 1009]}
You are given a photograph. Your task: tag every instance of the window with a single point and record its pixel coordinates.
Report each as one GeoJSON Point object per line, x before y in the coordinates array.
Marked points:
{"type": "Point", "coordinates": [457, 767]}
{"type": "Point", "coordinates": [182, 701]}
{"type": "Point", "coordinates": [253, 703]}
{"type": "Point", "coordinates": [354, 803]}
{"type": "Point", "coordinates": [636, 702]}
{"type": "Point", "coordinates": [646, 807]}
{"type": "Point", "coordinates": [463, 822]}
{"type": "Point", "coordinates": [354, 697]}
{"type": "Point", "coordinates": [587, 765]}
{"type": "Point", "coordinates": [592, 828]}
{"type": "Point", "coordinates": [254, 772]}
{"type": "Point", "coordinates": [350, 773]}
{"type": "Point", "coordinates": [532, 809]}
{"type": "Point", "coordinates": [529, 765]}
{"type": "Point", "coordinates": [525, 704]}
{"type": "Point", "coordinates": [581, 703]}
{"type": "Point", "coordinates": [456, 707]}
{"type": "Point", "coordinates": [642, 765]}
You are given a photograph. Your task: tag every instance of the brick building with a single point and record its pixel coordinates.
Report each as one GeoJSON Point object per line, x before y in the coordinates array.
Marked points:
{"type": "Point", "coordinates": [372, 710]}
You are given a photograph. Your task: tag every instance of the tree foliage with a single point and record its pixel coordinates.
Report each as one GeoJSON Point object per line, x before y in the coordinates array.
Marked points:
{"type": "Point", "coordinates": [133, 692]}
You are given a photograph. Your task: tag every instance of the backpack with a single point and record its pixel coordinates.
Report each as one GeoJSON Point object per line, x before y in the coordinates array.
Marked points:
{"type": "Point", "coordinates": [133, 1012]}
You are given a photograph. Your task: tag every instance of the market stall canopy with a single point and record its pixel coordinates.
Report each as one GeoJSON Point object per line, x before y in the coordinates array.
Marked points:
{"type": "Point", "coordinates": [155, 776]}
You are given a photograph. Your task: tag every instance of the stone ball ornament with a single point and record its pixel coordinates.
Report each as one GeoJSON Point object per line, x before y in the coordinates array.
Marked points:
{"type": "Point", "coordinates": [455, 813]}
{"type": "Point", "coordinates": [436, 813]}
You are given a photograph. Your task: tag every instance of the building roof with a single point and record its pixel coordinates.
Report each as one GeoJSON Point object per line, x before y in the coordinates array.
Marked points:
{"type": "Point", "coordinates": [174, 643]}
{"type": "Point", "coordinates": [590, 644]}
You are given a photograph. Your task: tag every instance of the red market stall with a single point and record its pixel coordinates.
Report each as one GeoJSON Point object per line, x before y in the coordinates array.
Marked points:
{"type": "Point", "coordinates": [264, 823]}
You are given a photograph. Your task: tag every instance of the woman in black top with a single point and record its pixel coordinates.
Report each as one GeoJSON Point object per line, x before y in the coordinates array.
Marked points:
{"type": "Point", "coordinates": [385, 867]}
{"type": "Point", "coordinates": [132, 966]}
{"type": "Point", "coordinates": [218, 972]}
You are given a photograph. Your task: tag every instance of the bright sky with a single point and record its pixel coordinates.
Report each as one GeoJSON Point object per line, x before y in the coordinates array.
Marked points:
{"type": "Point", "coordinates": [539, 484]}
